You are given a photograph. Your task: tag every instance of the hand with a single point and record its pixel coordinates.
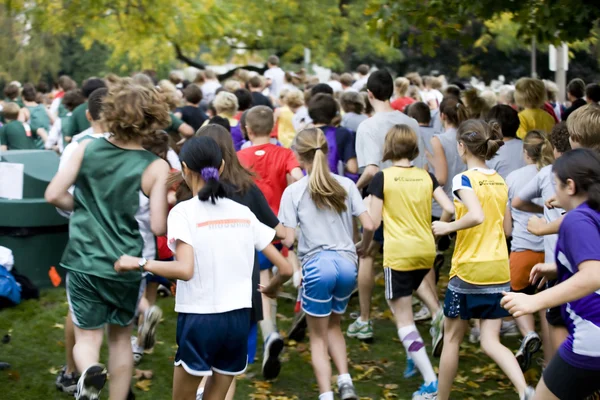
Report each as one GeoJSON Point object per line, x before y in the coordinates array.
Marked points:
{"type": "Point", "coordinates": [552, 202]}
{"type": "Point", "coordinates": [127, 263]}
{"type": "Point", "coordinates": [542, 273]}
{"type": "Point", "coordinates": [270, 290]}
{"type": "Point", "coordinates": [360, 249]}
{"type": "Point", "coordinates": [440, 228]}
{"type": "Point", "coordinates": [536, 225]}
{"type": "Point", "coordinates": [519, 304]}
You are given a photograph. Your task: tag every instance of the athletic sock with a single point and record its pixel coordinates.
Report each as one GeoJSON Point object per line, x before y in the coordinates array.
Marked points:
{"type": "Point", "coordinates": [274, 313]}
{"type": "Point", "coordinates": [326, 396]}
{"type": "Point", "coordinates": [415, 349]}
{"type": "Point", "coordinates": [361, 322]}
{"type": "Point", "coordinates": [344, 378]}
{"type": "Point", "coordinates": [266, 328]}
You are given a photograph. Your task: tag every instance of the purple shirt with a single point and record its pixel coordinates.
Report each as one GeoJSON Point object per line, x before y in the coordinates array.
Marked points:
{"type": "Point", "coordinates": [579, 241]}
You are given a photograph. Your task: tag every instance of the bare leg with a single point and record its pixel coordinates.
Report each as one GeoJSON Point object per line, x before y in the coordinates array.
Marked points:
{"type": "Point", "coordinates": [184, 385]}
{"type": "Point", "coordinates": [543, 393]}
{"type": "Point", "coordinates": [151, 291]}
{"type": "Point", "coordinates": [267, 325]}
{"type": "Point", "coordinates": [490, 344]}
{"type": "Point", "coordinates": [454, 332]}
{"type": "Point", "coordinates": [526, 324]}
{"type": "Point", "coordinates": [427, 293]}
{"type": "Point", "coordinates": [87, 347]}
{"type": "Point", "coordinates": [231, 392]}
{"type": "Point", "coordinates": [319, 345]}
{"type": "Point", "coordinates": [546, 341]}
{"type": "Point", "coordinates": [366, 281]}
{"type": "Point", "coordinates": [217, 386]}
{"type": "Point", "coordinates": [337, 344]}
{"type": "Point", "coordinates": [69, 344]}
{"type": "Point", "coordinates": [558, 334]}
{"type": "Point", "coordinates": [120, 362]}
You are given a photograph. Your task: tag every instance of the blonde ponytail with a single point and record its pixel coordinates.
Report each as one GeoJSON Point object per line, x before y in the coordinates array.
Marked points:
{"type": "Point", "coordinates": [538, 148]}
{"type": "Point", "coordinates": [325, 191]}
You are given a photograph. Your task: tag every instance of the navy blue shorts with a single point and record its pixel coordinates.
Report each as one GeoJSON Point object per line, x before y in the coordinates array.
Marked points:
{"type": "Point", "coordinates": [378, 235]}
{"type": "Point", "coordinates": [264, 262]}
{"type": "Point", "coordinates": [473, 306]}
{"type": "Point", "coordinates": [213, 342]}
{"type": "Point", "coordinates": [328, 280]}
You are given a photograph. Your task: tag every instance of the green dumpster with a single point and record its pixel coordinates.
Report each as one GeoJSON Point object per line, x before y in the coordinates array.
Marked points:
{"type": "Point", "coordinates": [31, 227]}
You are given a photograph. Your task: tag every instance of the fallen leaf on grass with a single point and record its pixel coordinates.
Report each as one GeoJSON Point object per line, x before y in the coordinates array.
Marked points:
{"type": "Point", "coordinates": [292, 343]}
{"type": "Point", "coordinates": [59, 326]}
{"type": "Point", "coordinates": [473, 384]}
{"type": "Point", "coordinates": [391, 386]}
{"type": "Point", "coordinates": [259, 396]}
{"type": "Point", "coordinates": [143, 374]}
{"type": "Point", "coordinates": [364, 346]}
{"type": "Point", "coordinates": [14, 375]}
{"type": "Point", "coordinates": [490, 393]}
{"type": "Point", "coordinates": [143, 385]}
{"type": "Point", "coordinates": [54, 370]}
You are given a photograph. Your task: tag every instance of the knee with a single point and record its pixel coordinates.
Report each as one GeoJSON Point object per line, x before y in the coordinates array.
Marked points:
{"type": "Point", "coordinates": [488, 344]}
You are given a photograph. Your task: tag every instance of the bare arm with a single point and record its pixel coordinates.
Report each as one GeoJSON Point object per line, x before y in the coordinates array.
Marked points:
{"type": "Point", "coordinates": [3, 148]}
{"type": "Point", "coordinates": [581, 284]}
{"type": "Point", "coordinates": [352, 166]}
{"type": "Point", "coordinates": [508, 221]}
{"type": "Point", "coordinates": [296, 174]}
{"type": "Point", "coordinates": [186, 130]}
{"type": "Point", "coordinates": [447, 206]}
{"type": "Point", "coordinates": [154, 184]}
{"type": "Point", "coordinates": [472, 218]}
{"type": "Point", "coordinates": [375, 211]}
{"type": "Point", "coordinates": [366, 176]}
{"type": "Point", "coordinates": [57, 192]}
{"type": "Point", "coordinates": [527, 206]}
{"type": "Point", "coordinates": [280, 232]}
{"type": "Point", "coordinates": [290, 236]}
{"type": "Point", "coordinates": [181, 268]}
{"type": "Point", "coordinates": [539, 227]}
{"type": "Point", "coordinates": [284, 271]}
{"type": "Point", "coordinates": [440, 164]}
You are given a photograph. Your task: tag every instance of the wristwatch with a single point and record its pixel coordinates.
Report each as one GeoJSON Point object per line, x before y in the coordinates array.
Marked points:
{"type": "Point", "coordinates": [142, 263]}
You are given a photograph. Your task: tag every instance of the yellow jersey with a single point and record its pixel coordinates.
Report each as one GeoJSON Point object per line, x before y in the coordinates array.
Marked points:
{"type": "Point", "coordinates": [534, 118]}
{"type": "Point", "coordinates": [480, 253]}
{"type": "Point", "coordinates": [406, 193]}
{"type": "Point", "coordinates": [285, 128]}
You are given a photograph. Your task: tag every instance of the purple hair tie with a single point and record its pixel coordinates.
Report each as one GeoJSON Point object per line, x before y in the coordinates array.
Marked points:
{"type": "Point", "coordinates": [209, 173]}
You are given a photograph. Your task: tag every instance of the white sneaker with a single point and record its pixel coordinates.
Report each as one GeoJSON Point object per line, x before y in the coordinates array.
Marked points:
{"type": "Point", "coordinates": [423, 314]}
{"type": "Point", "coordinates": [474, 335]}
{"type": "Point", "coordinates": [271, 364]}
{"type": "Point", "coordinates": [147, 332]}
{"type": "Point", "coordinates": [91, 382]}
{"type": "Point", "coordinates": [509, 328]}
{"type": "Point", "coordinates": [138, 351]}
{"type": "Point", "coordinates": [530, 345]}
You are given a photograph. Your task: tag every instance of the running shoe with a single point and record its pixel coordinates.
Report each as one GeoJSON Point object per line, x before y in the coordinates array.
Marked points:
{"type": "Point", "coordinates": [426, 391]}
{"type": "Point", "coordinates": [91, 383]}
{"type": "Point", "coordinates": [138, 351]}
{"type": "Point", "coordinates": [66, 382]}
{"type": "Point", "coordinates": [530, 345]}
{"type": "Point", "coordinates": [271, 364]}
{"type": "Point", "coordinates": [509, 328]}
{"type": "Point", "coordinates": [147, 332]}
{"type": "Point", "coordinates": [360, 330]}
{"type": "Point", "coordinates": [423, 314]}
{"type": "Point", "coordinates": [474, 335]}
{"type": "Point", "coordinates": [437, 334]}
{"type": "Point", "coordinates": [298, 330]}
{"type": "Point", "coordinates": [529, 393]}
{"type": "Point", "coordinates": [410, 369]}
{"type": "Point", "coordinates": [347, 392]}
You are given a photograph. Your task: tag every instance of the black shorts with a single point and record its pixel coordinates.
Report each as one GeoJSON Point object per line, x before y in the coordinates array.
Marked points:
{"type": "Point", "coordinates": [530, 290]}
{"type": "Point", "coordinates": [568, 382]}
{"type": "Point", "coordinates": [554, 317]}
{"type": "Point", "coordinates": [402, 283]}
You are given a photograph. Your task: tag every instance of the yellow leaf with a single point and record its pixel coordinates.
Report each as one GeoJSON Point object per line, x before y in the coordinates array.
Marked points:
{"type": "Point", "coordinates": [59, 326]}
{"type": "Point", "coordinates": [143, 385]}
{"type": "Point", "coordinates": [54, 370]}
{"type": "Point", "coordinates": [490, 393]}
{"type": "Point", "coordinates": [473, 384]}
{"type": "Point", "coordinates": [391, 386]}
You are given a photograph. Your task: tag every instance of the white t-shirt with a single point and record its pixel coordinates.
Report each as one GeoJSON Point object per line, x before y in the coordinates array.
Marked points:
{"type": "Point", "coordinates": [277, 77]}
{"type": "Point", "coordinates": [360, 83]}
{"type": "Point", "coordinates": [224, 236]}
{"type": "Point", "coordinates": [335, 85]}
{"type": "Point", "coordinates": [209, 89]}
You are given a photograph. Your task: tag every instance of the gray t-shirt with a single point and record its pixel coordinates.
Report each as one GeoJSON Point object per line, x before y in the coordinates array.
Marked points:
{"type": "Point", "coordinates": [352, 120]}
{"type": "Point", "coordinates": [455, 165]}
{"type": "Point", "coordinates": [370, 137]}
{"type": "Point", "coordinates": [321, 229]}
{"type": "Point", "coordinates": [509, 158]}
{"type": "Point", "coordinates": [542, 185]}
{"type": "Point", "coordinates": [521, 238]}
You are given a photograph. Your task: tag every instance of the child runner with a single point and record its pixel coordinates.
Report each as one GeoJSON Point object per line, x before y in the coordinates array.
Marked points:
{"type": "Point", "coordinates": [542, 187]}
{"type": "Point", "coordinates": [56, 137]}
{"type": "Point", "coordinates": [530, 94]}
{"type": "Point", "coordinates": [510, 156]}
{"type": "Point", "coordinates": [79, 122]}
{"type": "Point", "coordinates": [271, 165]}
{"type": "Point", "coordinates": [36, 115]}
{"type": "Point", "coordinates": [401, 196]}
{"type": "Point", "coordinates": [106, 202]}
{"type": "Point", "coordinates": [574, 372]}
{"type": "Point", "coordinates": [323, 205]}
{"type": "Point", "coordinates": [527, 250]}
{"type": "Point", "coordinates": [13, 135]}
{"type": "Point", "coordinates": [214, 287]}
{"type": "Point", "coordinates": [477, 278]}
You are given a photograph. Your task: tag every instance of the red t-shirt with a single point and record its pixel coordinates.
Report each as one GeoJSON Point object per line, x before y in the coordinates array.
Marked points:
{"type": "Point", "coordinates": [271, 164]}
{"type": "Point", "coordinates": [401, 103]}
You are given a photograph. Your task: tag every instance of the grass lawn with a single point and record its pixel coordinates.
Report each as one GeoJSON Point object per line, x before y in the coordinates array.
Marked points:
{"type": "Point", "coordinates": [36, 352]}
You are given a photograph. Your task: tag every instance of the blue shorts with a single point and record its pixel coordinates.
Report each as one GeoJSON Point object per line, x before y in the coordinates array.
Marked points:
{"type": "Point", "coordinates": [473, 306]}
{"type": "Point", "coordinates": [328, 280]}
{"type": "Point", "coordinates": [264, 262]}
{"type": "Point", "coordinates": [213, 342]}
{"type": "Point", "coordinates": [252, 341]}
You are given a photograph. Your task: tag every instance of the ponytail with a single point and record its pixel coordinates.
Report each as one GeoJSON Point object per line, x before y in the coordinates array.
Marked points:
{"type": "Point", "coordinates": [582, 166]}
{"type": "Point", "coordinates": [213, 188]}
{"type": "Point", "coordinates": [482, 139]}
{"type": "Point", "coordinates": [538, 148]}
{"type": "Point", "coordinates": [455, 111]}
{"type": "Point", "coordinates": [325, 191]}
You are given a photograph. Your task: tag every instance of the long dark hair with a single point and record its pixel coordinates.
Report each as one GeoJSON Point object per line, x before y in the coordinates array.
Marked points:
{"type": "Point", "coordinates": [203, 155]}
{"type": "Point", "coordinates": [583, 167]}
{"type": "Point", "coordinates": [233, 173]}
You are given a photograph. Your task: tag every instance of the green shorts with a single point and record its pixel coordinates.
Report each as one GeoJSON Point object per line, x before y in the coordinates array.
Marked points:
{"type": "Point", "coordinates": [95, 302]}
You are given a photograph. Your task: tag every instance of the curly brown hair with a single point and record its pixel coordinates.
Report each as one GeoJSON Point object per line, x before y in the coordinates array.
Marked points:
{"type": "Point", "coordinates": [132, 111]}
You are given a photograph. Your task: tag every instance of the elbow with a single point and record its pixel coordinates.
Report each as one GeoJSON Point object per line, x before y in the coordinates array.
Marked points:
{"type": "Point", "coordinates": [517, 203]}
{"type": "Point", "coordinates": [287, 241]}
{"type": "Point", "coordinates": [158, 229]}
{"type": "Point", "coordinates": [450, 209]}
{"type": "Point", "coordinates": [370, 226]}
{"type": "Point", "coordinates": [51, 196]}
{"type": "Point", "coordinates": [478, 218]}
{"type": "Point", "coordinates": [286, 271]}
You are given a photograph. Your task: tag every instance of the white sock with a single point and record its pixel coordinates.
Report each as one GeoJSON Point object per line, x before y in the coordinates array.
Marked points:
{"type": "Point", "coordinates": [344, 378]}
{"type": "Point", "coordinates": [360, 321]}
{"type": "Point", "coordinates": [326, 396]}
{"type": "Point", "coordinates": [266, 328]}
{"type": "Point", "coordinates": [274, 313]}
{"type": "Point", "coordinates": [415, 349]}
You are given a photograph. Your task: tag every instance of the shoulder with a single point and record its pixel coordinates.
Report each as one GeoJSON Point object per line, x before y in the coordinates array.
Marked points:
{"type": "Point", "coordinates": [462, 181]}
{"type": "Point", "coordinates": [581, 215]}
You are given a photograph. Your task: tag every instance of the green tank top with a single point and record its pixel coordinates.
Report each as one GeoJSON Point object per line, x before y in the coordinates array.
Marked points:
{"type": "Point", "coordinates": [106, 221]}
{"type": "Point", "coordinates": [38, 119]}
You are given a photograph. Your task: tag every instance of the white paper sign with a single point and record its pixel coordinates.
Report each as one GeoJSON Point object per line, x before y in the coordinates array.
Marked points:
{"type": "Point", "coordinates": [11, 180]}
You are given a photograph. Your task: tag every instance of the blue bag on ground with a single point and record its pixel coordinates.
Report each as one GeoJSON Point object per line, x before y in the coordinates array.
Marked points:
{"type": "Point", "coordinates": [9, 288]}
